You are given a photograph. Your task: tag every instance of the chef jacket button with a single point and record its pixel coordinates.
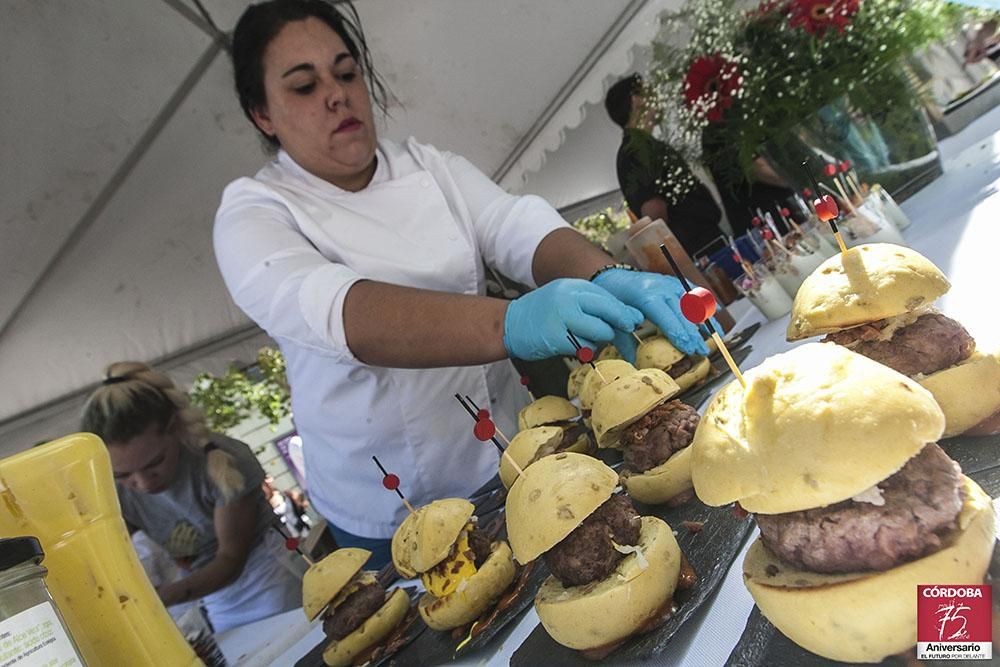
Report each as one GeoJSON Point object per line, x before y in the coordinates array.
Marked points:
{"type": "Point", "coordinates": [424, 183]}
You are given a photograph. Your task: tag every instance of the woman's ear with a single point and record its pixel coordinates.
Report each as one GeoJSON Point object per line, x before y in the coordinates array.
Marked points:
{"type": "Point", "coordinates": [263, 120]}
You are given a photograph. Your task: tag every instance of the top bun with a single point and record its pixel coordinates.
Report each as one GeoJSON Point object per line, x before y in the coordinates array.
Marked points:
{"type": "Point", "coordinates": [524, 447]}
{"type": "Point", "coordinates": [610, 370]}
{"type": "Point", "coordinates": [575, 379]}
{"type": "Point", "coordinates": [867, 283]}
{"type": "Point", "coordinates": [323, 580]}
{"type": "Point", "coordinates": [426, 536]}
{"type": "Point", "coordinates": [552, 498]}
{"type": "Point", "coordinates": [546, 410]}
{"type": "Point", "coordinates": [814, 426]}
{"type": "Point", "coordinates": [608, 352]}
{"type": "Point", "coordinates": [627, 399]}
{"type": "Point", "coordinates": [657, 352]}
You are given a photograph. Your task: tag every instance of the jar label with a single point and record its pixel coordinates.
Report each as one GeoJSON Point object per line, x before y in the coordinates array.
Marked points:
{"type": "Point", "coordinates": [36, 637]}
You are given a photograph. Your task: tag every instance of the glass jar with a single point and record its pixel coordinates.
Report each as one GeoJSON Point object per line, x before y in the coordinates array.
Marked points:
{"type": "Point", "coordinates": [32, 631]}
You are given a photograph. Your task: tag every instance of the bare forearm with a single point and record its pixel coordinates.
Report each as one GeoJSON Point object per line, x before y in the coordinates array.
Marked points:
{"type": "Point", "coordinates": [566, 253]}
{"type": "Point", "coordinates": [403, 327]}
{"type": "Point", "coordinates": [217, 574]}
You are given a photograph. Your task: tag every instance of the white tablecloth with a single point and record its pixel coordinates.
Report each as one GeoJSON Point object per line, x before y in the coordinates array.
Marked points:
{"type": "Point", "coordinates": [956, 224]}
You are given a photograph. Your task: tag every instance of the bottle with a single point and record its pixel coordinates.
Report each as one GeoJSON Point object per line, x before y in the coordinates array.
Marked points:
{"type": "Point", "coordinates": [64, 493]}
{"type": "Point", "coordinates": [32, 631]}
{"type": "Point", "coordinates": [645, 237]}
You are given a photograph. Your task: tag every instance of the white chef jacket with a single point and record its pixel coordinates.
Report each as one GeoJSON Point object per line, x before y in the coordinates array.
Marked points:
{"type": "Point", "coordinates": [290, 245]}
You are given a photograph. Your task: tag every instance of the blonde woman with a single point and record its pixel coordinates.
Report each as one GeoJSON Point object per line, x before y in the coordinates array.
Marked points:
{"type": "Point", "coordinates": [195, 493]}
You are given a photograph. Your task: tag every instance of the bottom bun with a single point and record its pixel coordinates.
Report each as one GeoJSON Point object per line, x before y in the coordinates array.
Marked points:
{"type": "Point", "coordinates": [480, 591]}
{"type": "Point", "coordinates": [660, 484]}
{"type": "Point", "coordinates": [695, 375]}
{"type": "Point", "coordinates": [989, 426]}
{"type": "Point", "coordinates": [378, 626]}
{"type": "Point", "coordinates": [873, 615]}
{"type": "Point", "coordinates": [968, 393]}
{"type": "Point", "coordinates": [584, 617]}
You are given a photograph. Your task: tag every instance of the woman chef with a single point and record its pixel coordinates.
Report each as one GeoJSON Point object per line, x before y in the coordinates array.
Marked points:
{"type": "Point", "coordinates": [363, 259]}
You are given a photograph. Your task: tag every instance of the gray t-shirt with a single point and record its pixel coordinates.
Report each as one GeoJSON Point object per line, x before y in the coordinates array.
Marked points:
{"type": "Point", "coordinates": [181, 518]}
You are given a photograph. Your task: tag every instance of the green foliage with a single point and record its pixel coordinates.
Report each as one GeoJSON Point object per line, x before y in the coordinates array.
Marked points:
{"type": "Point", "coordinates": [784, 69]}
{"type": "Point", "coordinates": [230, 399]}
{"type": "Point", "coordinates": [597, 227]}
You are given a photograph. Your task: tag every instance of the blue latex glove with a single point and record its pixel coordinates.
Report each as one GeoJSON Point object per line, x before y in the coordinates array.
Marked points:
{"type": "Point", "coordinates": [537, 324]}
{"type": "Point", "coordinates": [658, 297]}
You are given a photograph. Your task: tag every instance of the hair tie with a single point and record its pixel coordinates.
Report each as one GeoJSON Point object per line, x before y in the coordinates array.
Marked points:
{"type": "Point", "coordinates": [210, 447]}
{"type": "Point", "coordinates": [114, 380]}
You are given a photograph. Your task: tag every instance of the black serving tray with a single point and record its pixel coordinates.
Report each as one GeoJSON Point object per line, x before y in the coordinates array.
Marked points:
{"type": "Point", "coordinates": [974, 454]}
{"type": "Point", "coordinates": [710, 552]}
{"type": "Point", "coordinates": [314, 658]}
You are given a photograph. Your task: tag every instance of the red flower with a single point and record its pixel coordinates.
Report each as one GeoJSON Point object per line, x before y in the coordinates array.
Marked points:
{"type": "Point", "coordinates": [816, 16]}
{"type": "Point", "coordinates": [710, 86]}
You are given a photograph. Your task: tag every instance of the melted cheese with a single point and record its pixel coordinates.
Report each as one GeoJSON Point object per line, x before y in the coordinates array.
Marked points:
{"type": "Point", "coordinates": [448, 577]}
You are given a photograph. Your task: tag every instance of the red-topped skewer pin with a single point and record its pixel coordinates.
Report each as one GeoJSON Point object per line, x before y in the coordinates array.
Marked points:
{"type": "Point", "coordinates": [826, 208]}
{"type": "Point", "coordinates": [698, 305]}
{"type": "Point", "coordinates": [391, 482]}
{"type": "Point", "coordinates": [486, 430]}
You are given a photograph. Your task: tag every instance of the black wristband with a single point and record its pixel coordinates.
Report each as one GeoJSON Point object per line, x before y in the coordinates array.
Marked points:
{"type": "Point", "coordinates": [608, 267]}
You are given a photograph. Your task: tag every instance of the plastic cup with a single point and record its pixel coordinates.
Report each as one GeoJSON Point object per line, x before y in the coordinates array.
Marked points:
{"type": "Point", "coordinates": [765, 292]}
{"type": "Point", "coordinates": [890, 209]}
{"type": "Point", "coordinates": [868, 225]}
{"type": "Point", "coordinates": [792, 268]}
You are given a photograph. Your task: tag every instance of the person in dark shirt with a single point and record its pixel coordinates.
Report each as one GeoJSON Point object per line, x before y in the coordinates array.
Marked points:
{"type": "Point", "coordinates": [694, 219]}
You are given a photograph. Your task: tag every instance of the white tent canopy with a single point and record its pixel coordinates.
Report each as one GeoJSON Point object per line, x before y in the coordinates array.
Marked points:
{"type": "Point", "coordinates": [121, 130]}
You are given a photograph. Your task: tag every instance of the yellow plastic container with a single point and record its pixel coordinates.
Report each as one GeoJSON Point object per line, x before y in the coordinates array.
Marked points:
{"type": "Point", "coordinates": [64, 494]}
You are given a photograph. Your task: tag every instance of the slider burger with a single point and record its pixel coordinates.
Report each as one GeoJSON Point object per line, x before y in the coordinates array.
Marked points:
{"type": "Point", "coordinates": [613, 572]}
{"type": "Point", "coordinates": [555, 411]}
{"type": "Point", "coordinates": [835, 455]}
{"type": "Point", "coordinates": [635, 414]}
{"type": "Point", "coordinates": [877, 300]}
{"type": "Point", "coordinates": [463, 572]}
{"type": "Point", "coordinates": [658, 352]}
{"type": "Point", "coordinates": [357, 611]}
{"type": "Point", "coordinates": [610, 370]}
{"type": "Point", "coordinates": [530, 445]}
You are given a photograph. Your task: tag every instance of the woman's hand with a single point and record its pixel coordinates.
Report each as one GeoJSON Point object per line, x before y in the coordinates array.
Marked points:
{"type": "Point", "coordinates": [235, 530]}
{"type": "Point", "coordinates": [537, 324]}
{"type": "Point", "coordinates": [658, 297]}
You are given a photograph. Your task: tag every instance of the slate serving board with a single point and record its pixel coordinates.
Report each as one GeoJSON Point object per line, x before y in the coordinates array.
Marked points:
{"type": "Point", "coordinates": [710, 552]}
{"type": "Point", "coordinates": [974, 454]}
{"type": "Point", "coordinates": [761, 645]}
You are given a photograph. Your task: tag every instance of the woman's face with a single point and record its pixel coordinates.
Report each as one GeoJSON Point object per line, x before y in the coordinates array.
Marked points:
{"type": "Point", "coordinates": [147, 462]}
{"type": "Point", "coordinates": [318, 105]}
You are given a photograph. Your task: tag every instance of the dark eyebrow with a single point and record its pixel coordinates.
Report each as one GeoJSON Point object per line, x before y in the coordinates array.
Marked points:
{"type": "Point", "coordinates": [309, 68]}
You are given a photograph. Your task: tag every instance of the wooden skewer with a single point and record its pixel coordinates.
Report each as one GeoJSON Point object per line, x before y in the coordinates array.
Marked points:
{"type": "Point", "coordinates": [637, 339]}
{"type": "Point", "coordinates": [729, 359]}
{"type": "Point", "coordinates": [510, 460]}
